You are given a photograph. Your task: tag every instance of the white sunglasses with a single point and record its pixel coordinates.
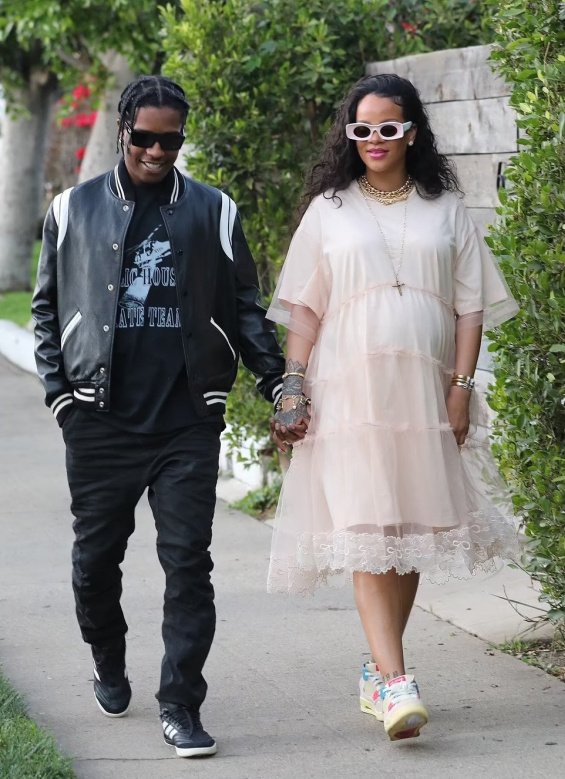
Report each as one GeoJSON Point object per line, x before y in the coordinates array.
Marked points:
{"type": "Point", "coordinates": [387, 131]}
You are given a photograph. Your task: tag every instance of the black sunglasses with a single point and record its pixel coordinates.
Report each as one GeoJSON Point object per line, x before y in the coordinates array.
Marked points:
{"type": "Point", "coordinates": [145, 140]}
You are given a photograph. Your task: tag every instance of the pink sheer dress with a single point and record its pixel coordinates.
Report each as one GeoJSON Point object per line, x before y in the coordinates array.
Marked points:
{"type": "Point", "coordinates": [379, 481]}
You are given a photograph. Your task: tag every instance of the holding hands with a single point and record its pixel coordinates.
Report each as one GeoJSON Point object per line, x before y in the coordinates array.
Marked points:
{"type": "Point", "coordinates": [292, 418]}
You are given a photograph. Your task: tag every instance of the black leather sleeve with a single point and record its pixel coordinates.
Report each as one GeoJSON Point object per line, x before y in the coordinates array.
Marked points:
{"type": "Point", "coordinates": [48, 355]}
{"type": "Point", "coordinates": [260, 350]}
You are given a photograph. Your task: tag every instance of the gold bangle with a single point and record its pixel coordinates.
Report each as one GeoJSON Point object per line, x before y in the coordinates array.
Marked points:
{"type": "Point", "coordinates": [293, 373]}
{"type": "Point", "coordinates": [467, 379]}
{"type": "Point", "coordinates": [464, 384]}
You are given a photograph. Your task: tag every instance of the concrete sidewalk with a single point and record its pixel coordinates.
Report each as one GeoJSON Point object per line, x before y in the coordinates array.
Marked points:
{"type": "Point", "coordinates": [282, 673]}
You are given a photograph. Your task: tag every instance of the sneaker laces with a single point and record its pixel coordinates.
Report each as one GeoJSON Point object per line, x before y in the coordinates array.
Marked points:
{"type": "Point", "coordinates": [401, 691]}
{"type": "Point", "coordinates": [372, 676]}
{"type": "Point", "coordinates": [183, 718]}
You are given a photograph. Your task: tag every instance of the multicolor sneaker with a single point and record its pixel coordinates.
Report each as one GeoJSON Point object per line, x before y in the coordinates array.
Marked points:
{"type": "Point", "coordinates": [371, 686]}
{"type": "Point", "coordinates": [404, 712]}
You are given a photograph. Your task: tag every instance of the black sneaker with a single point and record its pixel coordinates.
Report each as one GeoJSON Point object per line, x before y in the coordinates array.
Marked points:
{"type": "Point", "coordinates": [183, 730]}
{"type": "Point", "coordinates": [112, 689]}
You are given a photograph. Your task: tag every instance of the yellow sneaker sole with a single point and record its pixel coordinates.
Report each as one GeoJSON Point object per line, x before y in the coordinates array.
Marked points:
{"type": "Point", "coordinates": [368, 708]}
{"type": "Point", "coordinates": [406, 722]}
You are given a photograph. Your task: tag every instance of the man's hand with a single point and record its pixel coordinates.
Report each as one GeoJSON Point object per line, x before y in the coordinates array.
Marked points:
{"type": "Point", "coordinates": [458, 412]}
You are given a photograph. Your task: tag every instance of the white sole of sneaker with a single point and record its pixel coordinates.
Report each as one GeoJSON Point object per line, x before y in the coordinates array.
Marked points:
{"type": "Point", "coordinates": [108, 713]}
{"type": "Point", "coordinates": [367, 707]}
{"type": "Point", "coordinates": [407, 722]}
{"type": "Point", "coordinates": [194, 751]}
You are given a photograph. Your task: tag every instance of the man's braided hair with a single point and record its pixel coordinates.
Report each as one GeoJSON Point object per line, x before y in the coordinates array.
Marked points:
{"type": "Point", "coordinates": [156, 91]}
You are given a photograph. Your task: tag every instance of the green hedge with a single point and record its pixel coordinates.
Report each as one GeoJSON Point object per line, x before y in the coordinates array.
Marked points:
{"type": "Point", "coordinates": [529, 240]}
{"type": "Point", "coordinates": [264, 79]}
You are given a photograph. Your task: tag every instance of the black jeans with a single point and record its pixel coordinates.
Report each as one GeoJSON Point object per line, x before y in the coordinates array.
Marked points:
{"type": "Point", "coordinates": [108, 471]}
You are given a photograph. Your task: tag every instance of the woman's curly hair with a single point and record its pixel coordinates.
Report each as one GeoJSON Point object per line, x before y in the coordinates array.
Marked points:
{"type": "Point", "coordinates": [339, 163]}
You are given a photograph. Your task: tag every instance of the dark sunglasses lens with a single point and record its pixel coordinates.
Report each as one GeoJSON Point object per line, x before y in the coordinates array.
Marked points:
{"type": "Point", "coordinates": [388, 131]}
{"type": "Point", "coordinates": [171, 141]}
{"type": "Point", "coordinates": [362, 132]}
{"type": "Point", "coordinates": [167, 141]}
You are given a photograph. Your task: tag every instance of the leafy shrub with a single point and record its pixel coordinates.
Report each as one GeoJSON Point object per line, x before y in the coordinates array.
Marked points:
{"type": "Point", "coordinates": [260, 503]}
{"type": "Point", "coordinates": [264, 79]}
{"type": "Point", "coordinates": [529, 391]}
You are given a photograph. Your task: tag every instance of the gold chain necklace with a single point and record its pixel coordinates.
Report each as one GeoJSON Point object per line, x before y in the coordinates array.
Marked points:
{"type": "Point", "coordinates": [395, 268]}
{"type": "Point", "coordinates": [386, 198]}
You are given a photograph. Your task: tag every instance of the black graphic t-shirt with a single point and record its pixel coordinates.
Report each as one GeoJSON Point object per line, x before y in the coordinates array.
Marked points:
{"type": "Point", "coordinates": [149, 382]}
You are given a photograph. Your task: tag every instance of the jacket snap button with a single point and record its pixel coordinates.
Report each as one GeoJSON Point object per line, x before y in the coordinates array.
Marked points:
{"type": "Point", "coordinates": [170, 211]}
{"type": "Point", "coordinates": [101, 390]}
{"type": "Point", "coordinates": [102, 370]}
{"type": "Point", "coordinates": [110, 287]}
{"type": "Point", "coordinates": [115, 247]}
{"type": "Point", "coordinates": [101, 404]}
{"type": "Point", "coordinates": [125, 208]}
{"type": "Point", "coordinates": [105, 328]}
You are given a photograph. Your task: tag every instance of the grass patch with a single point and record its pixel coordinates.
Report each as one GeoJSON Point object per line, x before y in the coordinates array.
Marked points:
{"type": "Point", "coordinates": [260, 503]}
{"type": "Point", "coordinates": [16, 306]}
{"type": "Point", "coordinates": [547, 654]}
{"type": "Point", "coordinates": [26, 752]}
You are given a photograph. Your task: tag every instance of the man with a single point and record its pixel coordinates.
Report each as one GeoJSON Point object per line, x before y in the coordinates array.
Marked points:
{"type": "Point", "coordinates": [146, 297]}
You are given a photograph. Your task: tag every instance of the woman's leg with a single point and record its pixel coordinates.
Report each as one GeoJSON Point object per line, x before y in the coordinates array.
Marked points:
{"type": "Point", "coordinates": [384, 602]}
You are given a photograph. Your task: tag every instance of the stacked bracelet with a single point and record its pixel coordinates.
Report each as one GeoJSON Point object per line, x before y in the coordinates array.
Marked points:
{"type": "Point", "coordinates": [292, 373]}
{"type": "Point", "coordinates": [466, 382]}
{"type": "Point", "coordinates": [297, 400]}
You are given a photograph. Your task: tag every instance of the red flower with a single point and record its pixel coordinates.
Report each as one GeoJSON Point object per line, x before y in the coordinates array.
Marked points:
{"type": "Point", "coordinates": [81, 91]}
{"type": "Point", "coordinates": [79, 153]}
{"type": "Point", "coordinates": [67, 121]}
{"type": "Point", "coordinates": [409, 28]}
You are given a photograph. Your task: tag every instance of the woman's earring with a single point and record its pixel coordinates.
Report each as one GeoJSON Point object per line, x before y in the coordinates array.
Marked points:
{"type": "Point", "coordinates": [410, 143]}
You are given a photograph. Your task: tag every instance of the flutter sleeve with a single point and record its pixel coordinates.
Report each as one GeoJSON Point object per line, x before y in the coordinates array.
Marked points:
{"type": "Point", "coordinates": [478, 282]}
{"type": "Point", "coordinates": [302, 292]}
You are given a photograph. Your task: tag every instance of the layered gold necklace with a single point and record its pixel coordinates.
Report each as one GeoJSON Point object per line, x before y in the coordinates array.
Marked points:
{"type": "Point", "coordinates": [386, 198]}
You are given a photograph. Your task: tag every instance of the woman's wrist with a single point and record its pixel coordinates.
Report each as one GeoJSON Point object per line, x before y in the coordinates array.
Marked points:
{"type": "Point", "coordinates": [463, 381]}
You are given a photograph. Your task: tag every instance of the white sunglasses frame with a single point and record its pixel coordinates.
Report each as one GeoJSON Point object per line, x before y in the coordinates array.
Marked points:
{"type": "Point", "coordinates": [402, 127]}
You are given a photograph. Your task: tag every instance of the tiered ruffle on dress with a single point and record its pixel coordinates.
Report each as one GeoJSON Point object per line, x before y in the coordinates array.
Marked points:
{"type": "Point", "coordinates": [379, 481]}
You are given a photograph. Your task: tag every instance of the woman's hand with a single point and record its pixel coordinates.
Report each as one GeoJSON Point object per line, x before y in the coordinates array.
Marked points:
{"type": "Point", "coordinates": [458, 412]}
{"type": "Point", "coordinates": [289, 426]}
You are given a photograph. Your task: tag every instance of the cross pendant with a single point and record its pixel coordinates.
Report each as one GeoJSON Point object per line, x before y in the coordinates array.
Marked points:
{"type": "Point", "coordinates": [398, 286]}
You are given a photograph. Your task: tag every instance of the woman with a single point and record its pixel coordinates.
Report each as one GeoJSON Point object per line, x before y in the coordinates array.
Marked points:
{"type": "Point", "coordinates": [384, 291]}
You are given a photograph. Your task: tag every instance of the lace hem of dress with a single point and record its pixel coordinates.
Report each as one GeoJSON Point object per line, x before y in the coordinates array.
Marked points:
{"type": "Point", "coordinates": [331, 558]}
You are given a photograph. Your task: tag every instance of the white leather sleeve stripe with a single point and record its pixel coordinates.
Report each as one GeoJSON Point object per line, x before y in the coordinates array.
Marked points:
{"type": "Point", "coordinates": [227, 218]}
{"type": "Point", "coordinates": [215, 394]}
{"type": "Point", "coordinates": [61, 214]}
{"type": "Point", "coordinates": [277, 391]}
{"type": "Point", "coordinates": [216, 400]}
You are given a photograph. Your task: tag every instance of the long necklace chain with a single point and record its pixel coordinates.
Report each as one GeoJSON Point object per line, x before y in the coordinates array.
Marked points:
{"type": "Point", "coordinates": [395, 268]}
